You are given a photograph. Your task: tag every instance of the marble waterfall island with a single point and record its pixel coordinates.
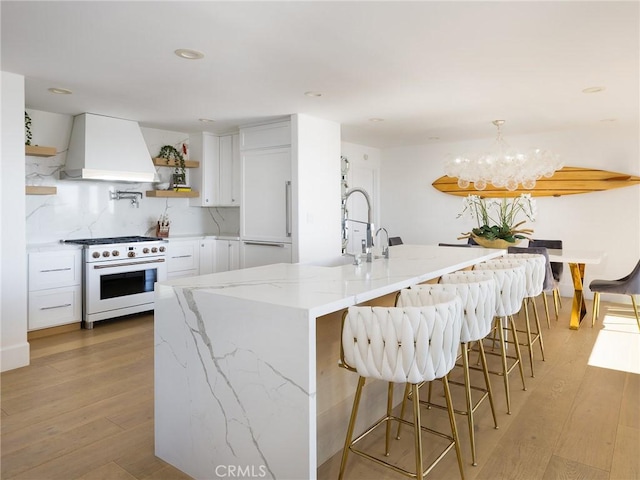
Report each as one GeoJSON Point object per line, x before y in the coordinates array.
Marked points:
{"type": "Point", "coordinates": [236, 364]}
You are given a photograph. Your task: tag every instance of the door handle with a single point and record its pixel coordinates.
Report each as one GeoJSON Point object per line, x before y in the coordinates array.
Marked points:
{"type": "Point", "coordinates": [287, 192]}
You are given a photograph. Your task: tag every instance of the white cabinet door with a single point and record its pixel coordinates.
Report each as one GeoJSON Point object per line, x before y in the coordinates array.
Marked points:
{"type": "Point", "coordinates": [255, 254]}
{"type": "Point", "coordinates": [55, 306]}
{"type": "Point", "coordinates": [183, 258]}
{"type": "Point", "coordinates": [234, 254]}
{"type": "Point", "coordinates": [229, 171]}
{"type": "Point", "coordinates": [266, 136]}
{"type": "Point", "coordinates": [227, 255]}
{"type": "Point", "coordinates": [54, 269]}
{"type": "Point", "coordinates": [205, 148]}
{"type": "Point", "coordinates": [266, 195]}
{"type": "Point", "coordinates": [207, 256]}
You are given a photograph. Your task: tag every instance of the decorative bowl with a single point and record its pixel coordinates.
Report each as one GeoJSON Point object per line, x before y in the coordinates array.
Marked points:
{"type": "Point", "coordinates": [162, 186]}
{"type": "Point", "coordinates": [496, 243]}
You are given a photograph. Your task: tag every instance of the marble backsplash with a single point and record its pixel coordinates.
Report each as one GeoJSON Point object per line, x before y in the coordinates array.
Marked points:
{"type": "Point", "coordinates": [84, 209]}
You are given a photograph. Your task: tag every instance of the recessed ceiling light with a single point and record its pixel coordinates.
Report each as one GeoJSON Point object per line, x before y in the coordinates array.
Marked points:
{"type": "Point", "coordinates": [206, 120]}
{"type": "Point", "coordinates": [189, 54]}
{"type": "Point", "coordinates": [593, 90]}
{"type": "Point", "coordinates": [60, 91]}
{"type": "Point", "coordinates": [609, 120]}
{"type": "Point", "coordinates": [433, 138]}
{"type": "Point", "coordinates": [375, 120]}
{"type": "Point", "coordinates": [313, 94]}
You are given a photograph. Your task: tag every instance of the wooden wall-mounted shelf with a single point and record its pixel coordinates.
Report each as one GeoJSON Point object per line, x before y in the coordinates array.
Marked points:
{"type": "Point", "coordinates": [172, 194]}
{"type": "Point", "coordinates": [162, 162]}
{"type": "Point", "coordinates": [33, 190]}
{"type": "Point", "coordinates": [38, 151]}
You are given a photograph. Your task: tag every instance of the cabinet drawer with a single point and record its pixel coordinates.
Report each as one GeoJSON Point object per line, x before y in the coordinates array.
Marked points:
{"type": "Point", "coordinates": [54, 269]}
{"type": "Point", "coordinates": [264, 136]}
{"type": "Point", "coordinates": [182, 256]}
{"type": "Point", "coordinates": [182, 274]}
{"type": "Point", "coordinates": [57, 306]}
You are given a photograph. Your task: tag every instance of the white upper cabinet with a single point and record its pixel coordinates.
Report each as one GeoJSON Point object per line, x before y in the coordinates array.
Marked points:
{"type": "Point", "coordinates": [218, 178]}
{"type": "Point", "coordinates": [265, 136]}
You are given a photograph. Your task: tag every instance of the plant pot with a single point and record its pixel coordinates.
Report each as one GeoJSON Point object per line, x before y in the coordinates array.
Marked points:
{"type": "Point", "coordinates": [497, 243]}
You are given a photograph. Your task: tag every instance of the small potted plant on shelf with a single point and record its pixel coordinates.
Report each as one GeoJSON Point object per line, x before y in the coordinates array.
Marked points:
{"type": "Point", "coordinates": [27, 129]}
{"type": "Point", "coordinates": [171, 153]}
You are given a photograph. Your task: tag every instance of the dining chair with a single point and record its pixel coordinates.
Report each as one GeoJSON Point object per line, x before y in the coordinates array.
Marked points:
{"type": "Point", "coordinates": [409, 345]}
{"type": "Point", "coordinates": [556, 268]}
{"type": "Point", "coordinates": [627, 285]}
{"type": "Point", "coordinates": [395, 241]}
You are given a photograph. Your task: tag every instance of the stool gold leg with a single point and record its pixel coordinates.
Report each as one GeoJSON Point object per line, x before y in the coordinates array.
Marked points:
{"type": "Point", "coordinates": [505, 369]}
{"type": "Point", "coordinates": [525, 304]}
{"type": "Point", "coordinates": [467, 389]}
{"type": "Point", "coordinates": [417, 429]}
{"type": "Point", "coordinates": [452, 421]}
{"type": "Point", "coordinates": [388, 426]}
{"type": "Point", "coordinates": [487, 380]}
{"type": "Point", "coordinates": [546, 309]}
{"type": "Point", "coordinates": [539, 331]}
{"type": "Point", "coordinates": [404, 404]}
{"type": "Point", "coordinates": [352, 423]}
{"type": "Point", "coordinates": [635, 310]}
{"type": "Point", "coordinates": [518, 354]}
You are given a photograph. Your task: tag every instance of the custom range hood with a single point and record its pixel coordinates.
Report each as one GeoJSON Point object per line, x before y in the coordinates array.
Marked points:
{"type": "Point", "coordinates": [107, 148]}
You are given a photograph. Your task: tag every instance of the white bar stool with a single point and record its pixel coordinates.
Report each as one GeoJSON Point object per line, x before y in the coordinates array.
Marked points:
{"type": "Point", "coordinates": [408, 345]}
{"type": "Point", "coordinates": [510, 277]}
{"type": "Point", "coordinates": [535, 270]}
{"type": "Point", "coordinates": [478, 292]}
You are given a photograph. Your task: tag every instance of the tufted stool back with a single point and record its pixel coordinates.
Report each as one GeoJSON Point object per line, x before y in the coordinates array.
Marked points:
{"type": "Point", "coordinates": [535, 270]}
{"type": "Point", "coordinates": [404, 344]}
{"type": "Point", "coordinates": [477, 292]}
{"type": "Point", "coordinates": [510, 278]}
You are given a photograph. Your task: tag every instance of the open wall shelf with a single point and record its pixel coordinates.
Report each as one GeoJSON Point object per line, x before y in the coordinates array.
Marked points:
{"type": "Point", "coordinates": [38, 151]}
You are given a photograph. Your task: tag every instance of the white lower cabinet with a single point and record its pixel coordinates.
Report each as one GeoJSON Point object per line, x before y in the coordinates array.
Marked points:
{"type": "Point", "coordinates": [183, 258]}
{"type": "Point", "coordinates": [227, 255]}
{"type": "Point", "coordinates": [255, 254]}
{"type": "Point", "coordinates": [55, 289]}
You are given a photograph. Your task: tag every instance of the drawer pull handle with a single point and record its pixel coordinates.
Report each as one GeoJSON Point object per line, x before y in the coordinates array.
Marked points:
{"type": "Point", "coordinates": [55, 270]}
{"type": "Point", "coordinates": [182, 256]}
{"type": "Point", "coordinates": [56, 306]}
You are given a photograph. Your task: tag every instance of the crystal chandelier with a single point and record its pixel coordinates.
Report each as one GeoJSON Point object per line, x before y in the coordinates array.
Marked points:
{"type": "Point", "coordinates": [502, 166]}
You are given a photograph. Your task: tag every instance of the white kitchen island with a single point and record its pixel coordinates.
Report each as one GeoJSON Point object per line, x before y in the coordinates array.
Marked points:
{"type": "Point", "coordinates": [241, 362]}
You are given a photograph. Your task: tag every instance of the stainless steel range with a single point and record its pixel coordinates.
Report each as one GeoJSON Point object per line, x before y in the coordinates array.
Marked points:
{"type": "Point", "coordinates": [119, 275]}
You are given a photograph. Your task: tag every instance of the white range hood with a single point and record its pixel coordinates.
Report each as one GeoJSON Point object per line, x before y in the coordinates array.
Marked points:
{"type": "Point", "coordinates": [107, 148]}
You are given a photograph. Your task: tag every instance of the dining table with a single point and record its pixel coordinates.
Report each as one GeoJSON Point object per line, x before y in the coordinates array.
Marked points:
{"type": "Point", "coordinates": [577, 260]}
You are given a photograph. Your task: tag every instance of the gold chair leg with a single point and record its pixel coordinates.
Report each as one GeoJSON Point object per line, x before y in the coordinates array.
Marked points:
{"type": "Point", "coordinates": [487, 380]}
{"type": "Point", "coordinates": [388, 422]}
{"type": "Point", "coordinates": [557, 303]}
{"type": "Point", "coordinates": [596, 308]}
{"type": "Point", "coordinates": [517, 345]}
{"type": "Point", "coordinates": [418, 430]}
{"type": "Point", "coordinates": [452, 421]}
{"type": "Point", "coordinates": [352, 423]}
{"type": "Point", "coordinates": [539, 331]}
{"type": "Point", "coordinates": [635, 309]}
{"type": "Point", "coordinates": [546, 309]}
{"type": "Point", "coordinates": [404, 404]}
{"type": "Point", "coordinates": [525, 306]}
{"type": "Point", "coordinates": [467, 390]}
{"type": "Point", "coordinates": [505, 369]}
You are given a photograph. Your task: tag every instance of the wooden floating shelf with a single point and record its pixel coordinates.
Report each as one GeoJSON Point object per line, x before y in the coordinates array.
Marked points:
{"type": "Point", "coordinates": [162, 162]}
{"type": "Point", "coordinates": [172, 194]}
{"type": "Point", "coordinates": [38, 151]}
{"type": "Point", "coordinates": [33, 190]}
{"type": "Point", "coordinates": [566, 181]}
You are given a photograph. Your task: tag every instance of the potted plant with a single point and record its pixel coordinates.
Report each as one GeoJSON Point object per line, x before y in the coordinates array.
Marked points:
{"type": "Point", "coordinates": [497, 219]}
{"type": "Point", "coordinates": [171, 153]}
{"type": "Point", "coordinates": [27, 129]}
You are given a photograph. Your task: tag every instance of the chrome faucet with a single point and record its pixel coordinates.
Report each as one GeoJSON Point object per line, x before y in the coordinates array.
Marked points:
{"type": "Point", "coordinates": [369, 222]}
{"type": "Point", "coordinates": [385, 249]}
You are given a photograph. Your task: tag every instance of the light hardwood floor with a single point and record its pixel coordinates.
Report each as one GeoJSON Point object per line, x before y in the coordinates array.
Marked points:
{"type": "Point", "coordinates": [83, 409]}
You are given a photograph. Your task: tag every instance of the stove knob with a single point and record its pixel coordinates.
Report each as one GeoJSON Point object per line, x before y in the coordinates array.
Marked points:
{"type": "Point", "coordinates": [162, 249]}
{"type": "Point", "coordinates": [95, 254]}
{"type": "Point", "coordinates": [145, 250]}
{"type": "Point", "coordinates": [115, 253]}
{"type": "Point", "coordinates": [105, 254]}
{"type": "Point", "coordinates": [132, 254]}
{"type": "Point", "coordinates": [154, 250]}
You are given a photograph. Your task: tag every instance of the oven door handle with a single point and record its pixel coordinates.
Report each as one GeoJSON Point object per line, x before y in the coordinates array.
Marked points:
{"type": "Point", "coordinates": [126, 264]}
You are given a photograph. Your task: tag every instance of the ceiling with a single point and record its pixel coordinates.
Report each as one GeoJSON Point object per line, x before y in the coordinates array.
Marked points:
{"type": "Point", "coordinates": [433, 71]}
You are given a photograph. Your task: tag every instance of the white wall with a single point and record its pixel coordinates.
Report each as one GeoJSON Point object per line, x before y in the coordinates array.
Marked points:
{"type": "Point", "coordinates": [14, 348]}
{"type": "Point", "coordinates": [83, 209]}
{"type": "Point", "coordinates": [608, 220]}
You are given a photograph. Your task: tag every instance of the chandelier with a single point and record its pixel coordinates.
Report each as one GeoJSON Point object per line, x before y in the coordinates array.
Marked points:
{"type": "Point", "coordinates": [502, 166]}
